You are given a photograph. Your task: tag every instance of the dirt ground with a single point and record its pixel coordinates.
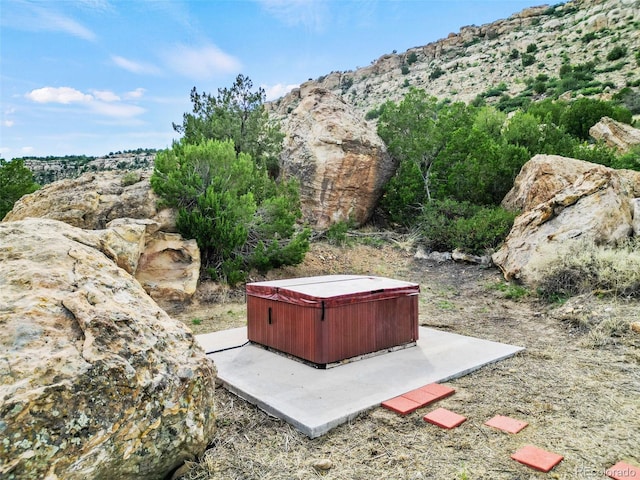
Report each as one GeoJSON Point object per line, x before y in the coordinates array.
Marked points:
{"type": "Point", "coordinates": [577, 384]}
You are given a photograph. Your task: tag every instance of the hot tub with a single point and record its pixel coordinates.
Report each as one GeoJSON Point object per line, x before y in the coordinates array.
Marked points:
{"type": "Point", "coordinates": [329, 319]}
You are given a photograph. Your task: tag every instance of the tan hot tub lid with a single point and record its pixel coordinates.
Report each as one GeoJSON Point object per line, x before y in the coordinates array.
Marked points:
{"type": "Point", "coordinates": [332, 290]}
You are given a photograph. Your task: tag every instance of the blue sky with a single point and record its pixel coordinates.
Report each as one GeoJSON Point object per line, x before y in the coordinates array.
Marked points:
{"type": "Point", "coordinates": [95, 76]}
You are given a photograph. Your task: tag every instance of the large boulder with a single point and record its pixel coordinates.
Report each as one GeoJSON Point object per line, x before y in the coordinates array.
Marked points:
{"type": "Point", "coordinates": [166, 265]}
{"type": "Point", "coordinates": [616, 134]}
{"type": "Point", "coordinates": [563, 199]}
{"type": "Point", "coordinates": [96, 381]}
{"type": "Point", "coordinates": [125, 203]}
{"type": "Point", "coordinates": [341, 163]}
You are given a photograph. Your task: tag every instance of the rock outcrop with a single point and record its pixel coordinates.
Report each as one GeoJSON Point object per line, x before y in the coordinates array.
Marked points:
{"type": "Point", "coordinates": [340, 161]}
{"type": "Point", "coordinates": [615, 134]}
{"type": "Point", "coordinates": [92, 200]}
{"type": "Point", "coordinates": [96, 380]}
{"type": "Point", "coordinates": [167, 265]}
{"type": "Point", "coordinates": [563, 199]}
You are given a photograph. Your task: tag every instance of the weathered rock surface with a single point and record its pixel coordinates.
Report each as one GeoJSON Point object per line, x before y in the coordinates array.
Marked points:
{"type": "Point", "coordinates": [96, 380]}
{"type": "Point", "coordinates": [340, 161]}
{"type": "Point", "coordinates": [141, 235]}
{"type": "Point", "coordinates": [169, 267]}
{"type": "Point", "coordinates": [615, 134]}
{"type": "Point", "coordinates": [92, 200]}
{"type": "Point", "coordinates": [166, 265]}
{"type": "Point", "coordinates": [563, 199]}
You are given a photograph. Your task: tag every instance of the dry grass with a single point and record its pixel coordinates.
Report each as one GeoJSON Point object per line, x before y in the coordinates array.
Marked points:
{"type": "Point", "coordinates": [581, 267]}
{"type": "Point", "coordinates": [580, 401]}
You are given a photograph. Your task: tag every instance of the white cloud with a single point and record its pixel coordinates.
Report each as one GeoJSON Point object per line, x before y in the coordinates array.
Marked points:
{"type": "Point", "coordinates": [137, 93]}
{"type": "Point", "coordinates": [312, 14]}
{"type": "Point", "coordinates": [27, 150]}
{"type": "Point", "coordinates": [140, 68]}
{"type": "Point", "coordinates": [201, 63]}
{"type": "Point", "coordinates": [42, 16]}
{"type": "Point", "coordinates": [276, 91]}
{"type": "Point", "coordinates": [102, 102]}
{"type": "Point", "coordinates": [63, 95]}
{"type": "Point", "coordinates": [8, 123]}
{"type": "Point", "coordinates": [105, 96]}
{"type": "Point", "coordinates": [56, 22]}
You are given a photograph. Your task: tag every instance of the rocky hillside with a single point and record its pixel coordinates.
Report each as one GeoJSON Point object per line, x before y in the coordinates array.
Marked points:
{"type": "Point", "coordinates": [509, 57]}
{"type": "Point", "coordinates": [50, 169]}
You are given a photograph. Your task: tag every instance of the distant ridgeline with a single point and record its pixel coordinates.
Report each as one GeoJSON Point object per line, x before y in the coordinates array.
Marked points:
{"type": "Point", "coordinates": [49, 169]}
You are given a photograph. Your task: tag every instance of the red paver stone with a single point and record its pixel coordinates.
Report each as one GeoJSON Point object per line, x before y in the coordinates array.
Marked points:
{"type": "Point", "coordinates": [507, 424]}
{"type": "Point", "coordinates": [537, 458]}
{"type": "Point", "coordinates": [422, 397]}
{"type": "Point", "coordinates": [440, 391]}
{"type": "Point", "coordinates": [623, 471]}
{"type": "Point", "coordinates": [444, 418]}
{"type": "Point", "coordinates": [401, 405]}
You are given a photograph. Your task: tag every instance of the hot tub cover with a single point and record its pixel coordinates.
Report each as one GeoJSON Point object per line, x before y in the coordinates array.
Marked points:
{"type": "Point", "coordinates": [331, 290]}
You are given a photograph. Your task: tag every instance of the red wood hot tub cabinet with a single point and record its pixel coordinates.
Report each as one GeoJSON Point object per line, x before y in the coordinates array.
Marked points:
{"type": "Point", "coordinates": [332, 318]}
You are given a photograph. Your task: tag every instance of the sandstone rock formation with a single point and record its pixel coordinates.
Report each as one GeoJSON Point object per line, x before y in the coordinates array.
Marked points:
{"type": "Point", "coordinates": [340, 161]}
{"type": "Point", "coordinates": [91, 200]}
{"type": "Point", "coordinates": [563, 199]}
{"type": "Point", "coordinates": [615, 134]}
{"type": "Point", "coordinates": [167, 265]}
{"type": "Point", "coordinates": [96, 380]}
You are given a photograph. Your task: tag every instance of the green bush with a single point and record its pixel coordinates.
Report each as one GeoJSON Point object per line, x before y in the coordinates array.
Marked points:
{"type": "Point", "coordinates": [584, 113]}
{"type": "Point", "coordinates": [484, 231]}
{"type": "Point", "coordinates": [446, 225]}
{"type": "Point", "coordinates": [629, 99]}
{"type": "Point", "coordinates": [240, 218]}
{"type": "Point", "coordinates": [404, 69]}
{"type": "Point", "coordinates": [412, 58]}
{"type": "Point", "coordinates": [629, 160]}
{"type": "Point", "coordinates": [436, 73]}
{"type": "Point", "coordinates": [346, 83]}
{"type": "Point", "coordinates": [616, 53]}
{"type": "Point", "coordinates": [528, 59]}
{"type": "Point", "coordinates": [130, 178]}
{"type": "Point", "coordinates": [497, 90]}
{"type": "Point", "coordinates": [508, 103]}
{"type": "Point", "coordinates": [404, 194]}
{"type": "Point", "coordinates": [539, 87]}
{"type": "Point", "coordinates": [16, 180]}
{"type": "Point", "coordinates": [598, 153]}
{"type": "Point", "coordinates": [510, 290]}
{"type": "Point", "coordinates": [372, 114]}
{"type": "Point", "coordinates": [337, 233]}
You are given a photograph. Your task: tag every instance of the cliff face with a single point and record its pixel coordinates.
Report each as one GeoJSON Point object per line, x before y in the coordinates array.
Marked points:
{"type": "Point", "coordinates": [480, 58]}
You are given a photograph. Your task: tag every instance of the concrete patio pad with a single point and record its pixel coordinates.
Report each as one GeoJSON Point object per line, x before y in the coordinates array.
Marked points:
{"type": "Point", "coordinates": [316, 400]}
